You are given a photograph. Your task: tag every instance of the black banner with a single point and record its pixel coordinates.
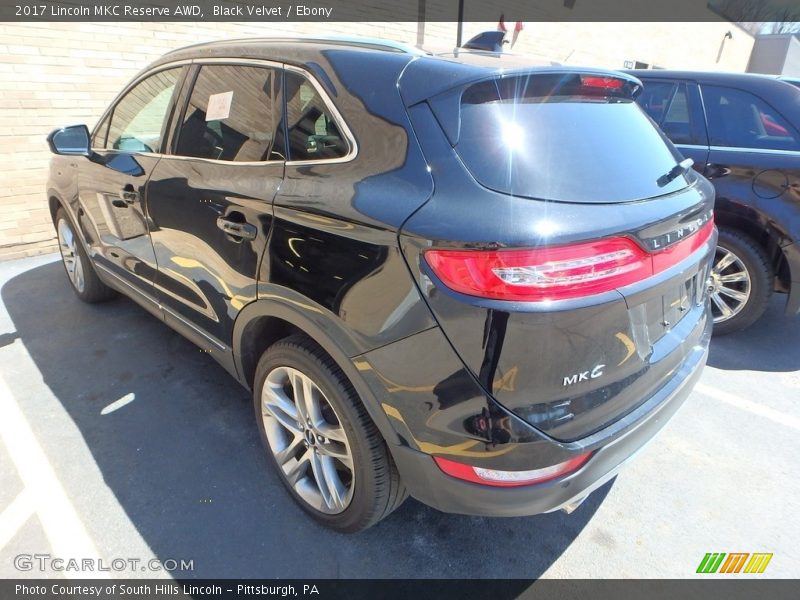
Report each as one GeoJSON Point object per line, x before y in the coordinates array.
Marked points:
{"type": "Point", "coordinates": [400, 10]}
{"type": "Point", "coordinates": [436, 589]}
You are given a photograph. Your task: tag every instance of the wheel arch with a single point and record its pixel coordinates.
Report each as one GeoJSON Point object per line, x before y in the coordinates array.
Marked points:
{"type": "Point", "coordinates": [266, 321]}
{"type": "Point", "coordinates": [757, 227]}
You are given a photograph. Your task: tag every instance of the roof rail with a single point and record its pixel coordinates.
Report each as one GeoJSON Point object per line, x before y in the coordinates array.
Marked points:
{"type": "Point", "coordinates": [340, 39]}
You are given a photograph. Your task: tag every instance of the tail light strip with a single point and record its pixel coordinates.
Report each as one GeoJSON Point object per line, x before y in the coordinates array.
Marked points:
{"type": "Point", "coordinates": [558, 272]}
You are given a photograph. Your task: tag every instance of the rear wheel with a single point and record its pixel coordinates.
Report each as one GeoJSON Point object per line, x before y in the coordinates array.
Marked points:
{"type": "Point", "coordinates": [326, 449]}
{"type": "Point", "coordinates": [85, 282]}
{"type": "Point", "coordinates": [741, 282]}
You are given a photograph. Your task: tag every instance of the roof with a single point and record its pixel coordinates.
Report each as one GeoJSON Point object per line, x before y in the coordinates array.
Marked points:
{"type": "Point", "coordinates": [421, 73]}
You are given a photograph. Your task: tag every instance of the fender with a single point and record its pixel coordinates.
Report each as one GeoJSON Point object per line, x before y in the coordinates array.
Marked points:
{"type": "Point", "coordinates": [313, 320]}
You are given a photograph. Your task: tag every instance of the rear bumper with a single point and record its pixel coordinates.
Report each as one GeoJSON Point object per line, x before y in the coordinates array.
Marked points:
{"type": "Point", "coordinates": [427, 483]}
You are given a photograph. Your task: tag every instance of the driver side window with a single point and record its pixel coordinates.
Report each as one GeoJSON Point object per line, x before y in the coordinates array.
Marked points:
{"type": "Point", "coordinates": [138, 118]}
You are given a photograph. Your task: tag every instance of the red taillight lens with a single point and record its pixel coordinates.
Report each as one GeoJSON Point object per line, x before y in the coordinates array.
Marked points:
{"type": "Point", "coordinates": [556, 273]}
{"type": "Point", "coordinates": [510, 478]}
{"type": "Point", "coordinates": [606, 83]}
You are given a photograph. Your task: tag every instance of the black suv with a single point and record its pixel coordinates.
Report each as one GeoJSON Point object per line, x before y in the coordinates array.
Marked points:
{"type": "Point", "coordinates": [460, 277]}
{"type": "Point", "coordinates": [743, 133]}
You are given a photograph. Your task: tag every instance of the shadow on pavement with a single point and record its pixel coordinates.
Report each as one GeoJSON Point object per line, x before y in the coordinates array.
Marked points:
{"type": "Point", "coordinates": [184, 459]}
{"type": "Point", "coordinates": [770, 344]}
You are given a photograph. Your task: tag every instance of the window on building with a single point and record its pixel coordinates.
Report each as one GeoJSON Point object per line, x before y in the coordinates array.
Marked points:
{"type": "Point", "coordinates": [231, 115]}
{"type": "Point", "coordinates": [137, 119]}
{"type": "Point", "coordinates": [741, 120]}
{"type": "Point", "coordinates": [312, 131]}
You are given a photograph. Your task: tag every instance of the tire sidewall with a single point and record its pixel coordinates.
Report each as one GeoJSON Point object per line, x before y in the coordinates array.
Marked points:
{"type": "Point", "coordinates": [758, 270]}
{"type": "Point", "coordinates": [340, 398]}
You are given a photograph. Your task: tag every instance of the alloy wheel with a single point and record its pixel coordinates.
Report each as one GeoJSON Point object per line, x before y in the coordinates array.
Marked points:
{"type": "Point", "coordinates": [307, 440]}
{"type": "Point", "coordinates": [730, 285]}
{"type": "Point", "coordinates": [68, 244]}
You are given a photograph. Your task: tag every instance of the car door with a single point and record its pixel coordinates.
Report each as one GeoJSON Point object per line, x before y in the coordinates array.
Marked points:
{"type": "Point", "coordinates": [210, 200]}
{"type": "Point", "coordinates": [676, 108]}
{"type": "Point", "coordinates": [126, 147]}
{"type": "Point", "coordinates": [753, 148]}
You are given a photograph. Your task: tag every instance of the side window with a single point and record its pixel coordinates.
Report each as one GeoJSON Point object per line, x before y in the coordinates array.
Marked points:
{"type": "Point", "coordinates": [677, 121]}
{"type": "Point", "coordinates": [311, 129]}
{"type": "Point", "coordinates": [655, 98]}
{"type": "Point", "coordinates": [741, 120]}
{"type": "Point", "coordinates": [231, 115]}
{"type": "Point", "coordinates": [138, 118]}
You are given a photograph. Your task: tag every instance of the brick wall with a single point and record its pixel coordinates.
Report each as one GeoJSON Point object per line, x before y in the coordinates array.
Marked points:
{"type": "Point", "coordinates": [55, 74]}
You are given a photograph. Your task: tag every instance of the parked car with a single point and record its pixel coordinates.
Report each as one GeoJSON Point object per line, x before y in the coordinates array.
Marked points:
{"type": "Point", "coordinates": [743, 133]}
{"type": "Point", "coordinates": [464, 278]}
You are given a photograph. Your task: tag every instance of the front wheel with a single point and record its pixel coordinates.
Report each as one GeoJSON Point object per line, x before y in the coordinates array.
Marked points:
{"type": "Point", "coordinates": [80, 272]}
{"type": "Point", "coordinates": [326, 449]}
{"type": "Point", "coordinates": [741, 282]}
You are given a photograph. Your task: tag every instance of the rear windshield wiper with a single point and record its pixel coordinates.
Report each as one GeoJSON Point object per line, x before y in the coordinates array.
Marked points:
{"type": "Point", "coordinates": [679, 169]}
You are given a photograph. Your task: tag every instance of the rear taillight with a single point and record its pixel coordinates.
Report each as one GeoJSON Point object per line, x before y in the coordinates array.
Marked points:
{"type": "Point", "coordinates": [510, 478]}
{"type": "Point", "coordinates": [559, 272]}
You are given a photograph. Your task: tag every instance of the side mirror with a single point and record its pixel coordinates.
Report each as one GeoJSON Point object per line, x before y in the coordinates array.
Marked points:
{"type": "Point", "coordinates": [71, 141]}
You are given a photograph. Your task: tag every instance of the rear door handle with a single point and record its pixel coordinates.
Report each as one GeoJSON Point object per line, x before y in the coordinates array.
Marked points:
{"type": "Point", "coordinates": [127, 196]}
{"type": "Point", "coordinates": [243, 231]}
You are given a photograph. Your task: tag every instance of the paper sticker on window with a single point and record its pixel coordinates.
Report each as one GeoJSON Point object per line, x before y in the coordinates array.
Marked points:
{"type": "Point", "coordinates": [219, 106]}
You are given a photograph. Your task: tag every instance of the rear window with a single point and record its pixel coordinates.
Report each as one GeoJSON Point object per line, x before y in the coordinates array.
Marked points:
{"type": "Point", "coordinates": [554, 138]}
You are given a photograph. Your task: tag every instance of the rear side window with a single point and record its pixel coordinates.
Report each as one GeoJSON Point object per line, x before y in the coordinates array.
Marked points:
{"type": "Point", "coordinates": [739, 119]}
{"type": "Point", "coordinates": [138, 118]}
{"type": "Point", "coordinates": [667, 103]}
{"type": "Point", "coordinates": [545, 136]}
{"type": "Point", "coordinates": [231, 115]}
{"type": "Point", "coordinates": [656, 97]}
{"type": "Point", "coordinates": [312, 132]}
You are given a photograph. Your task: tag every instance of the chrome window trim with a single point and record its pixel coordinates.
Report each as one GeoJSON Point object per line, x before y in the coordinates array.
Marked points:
{"type": "Point", "coordinates": [739, 149]}
{"type": "Point", "coordinates": [337, 117]}
{"type": "Point", "coordinates": [257, 62]}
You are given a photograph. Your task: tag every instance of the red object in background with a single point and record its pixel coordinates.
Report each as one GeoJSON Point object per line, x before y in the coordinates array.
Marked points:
{"type": "Point", "coordinates": [519, 27]}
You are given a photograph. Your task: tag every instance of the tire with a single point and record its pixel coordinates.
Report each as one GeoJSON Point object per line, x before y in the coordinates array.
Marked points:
{"type": "Point", "coordinates": [749, 286]}
{"type": "Point", "coordinates": [366, 491]}
{"type": "Point", "coordinates": [80, 272]}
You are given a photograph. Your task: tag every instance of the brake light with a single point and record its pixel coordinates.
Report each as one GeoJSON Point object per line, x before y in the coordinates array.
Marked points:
{"type": "Point", "coordinates": [498, 478]}
{"type": "Point", "coordinates": [558, 272]}
{"type": "Point", "coordinates": [606, 83]}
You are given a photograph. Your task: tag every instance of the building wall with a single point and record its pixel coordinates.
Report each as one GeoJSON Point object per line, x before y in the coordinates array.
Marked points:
{"type": "Point", "coordinates": [54, 74]}
{"type": "Point", "coordinates": [769, 54]}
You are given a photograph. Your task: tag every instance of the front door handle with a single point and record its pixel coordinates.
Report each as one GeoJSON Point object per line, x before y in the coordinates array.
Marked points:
{"type": "Point", "coordinates": [128, 194]}
{"type": "Point", "coordinates": [237, 231]}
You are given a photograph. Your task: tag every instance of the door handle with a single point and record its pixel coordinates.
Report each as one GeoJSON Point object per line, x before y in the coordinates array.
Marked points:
{"type": "Point", "coordinates": [242, 231]}
{"type": "Point", "coordinates": [127, 196]}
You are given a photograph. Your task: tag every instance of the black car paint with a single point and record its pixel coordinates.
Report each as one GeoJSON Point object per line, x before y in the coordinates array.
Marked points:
{"type": "Point", "coordinates": [362, 291]}
{"type": "Point", "coordinates": [757, 191]}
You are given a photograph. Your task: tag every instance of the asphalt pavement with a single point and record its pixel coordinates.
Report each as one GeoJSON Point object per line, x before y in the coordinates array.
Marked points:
{"type": "Point", "coordinates": [119, 440]}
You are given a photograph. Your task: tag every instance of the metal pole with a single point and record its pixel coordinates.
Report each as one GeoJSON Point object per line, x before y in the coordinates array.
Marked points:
{"type": "Point", "coordinates": [460, 22]}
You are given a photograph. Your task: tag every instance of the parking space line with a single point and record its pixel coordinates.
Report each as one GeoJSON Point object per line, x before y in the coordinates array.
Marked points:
{"type": "Point", "coordinates": [65, 531]}
{"type": "Point", "coordinates": [15, 516]}
{"type": "Point", "coordinates": [750, 406]}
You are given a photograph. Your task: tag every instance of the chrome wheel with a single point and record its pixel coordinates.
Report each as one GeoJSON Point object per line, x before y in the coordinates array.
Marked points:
{"type": "Point", "coordinates": [729, 285]}
{"type": "Point", "coordinates": [68, 244]}
{"type": "Point", "coordinates": [307, 440]}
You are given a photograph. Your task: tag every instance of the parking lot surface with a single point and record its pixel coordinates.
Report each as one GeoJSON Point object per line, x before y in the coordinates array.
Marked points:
{"type": "Point", "coordinates": [121, 440]}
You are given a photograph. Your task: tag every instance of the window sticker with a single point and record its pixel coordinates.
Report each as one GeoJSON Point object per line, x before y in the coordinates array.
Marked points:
{"type": "Point", "coordinates": [219, 106]}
